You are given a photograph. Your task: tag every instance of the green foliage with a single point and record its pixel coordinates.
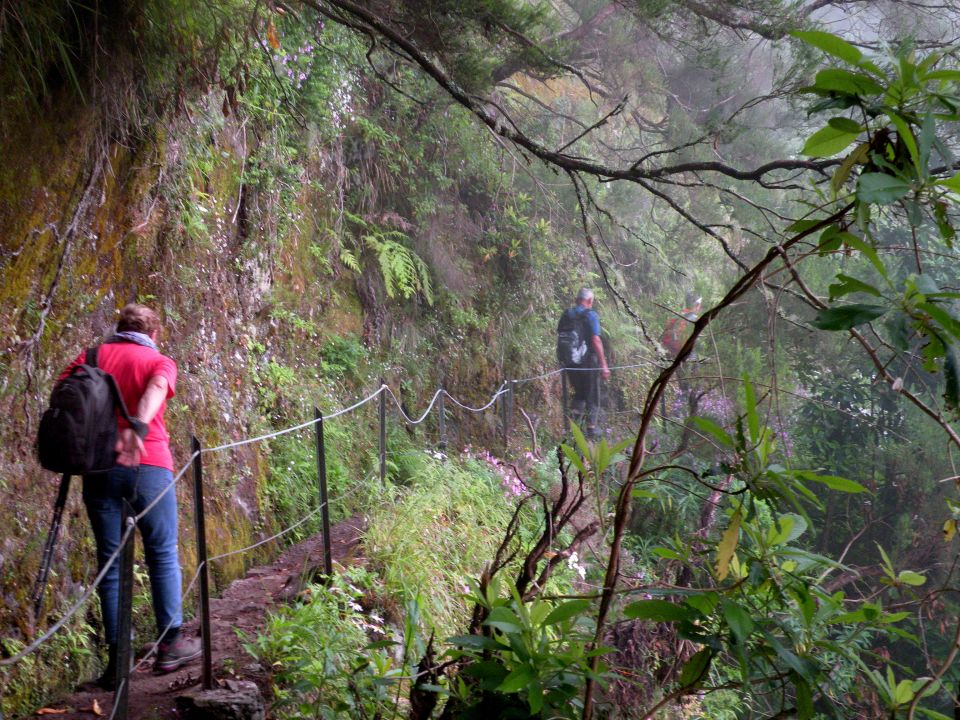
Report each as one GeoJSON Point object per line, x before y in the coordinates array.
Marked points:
{"type": "Point", "coordinates": [530, 662]}
{"type": "Point", "coordinates": [404, 273]}
{"type": "Point", "coordinates": [767, 615]}
{"type": "Point", "coordinates": [900, 107]}
{"type": "Point", "coordinates": [28, 684]}
{"type": "Point", "coordinates": [342, 356]}
{"type": "Point", "coordinates": [437, 533]}
{"type": "Point", "coordinates": [313, 649]}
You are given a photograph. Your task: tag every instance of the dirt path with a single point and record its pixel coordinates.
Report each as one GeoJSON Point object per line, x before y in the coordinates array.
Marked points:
{"type": "Point", "coordinates": [243, 606]}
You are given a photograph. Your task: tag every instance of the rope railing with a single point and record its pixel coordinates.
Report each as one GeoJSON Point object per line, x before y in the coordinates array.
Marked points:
{"type": "Point", "coordinates": [504, 393]}
{"type": "Point", "coordinates": [438, 395]}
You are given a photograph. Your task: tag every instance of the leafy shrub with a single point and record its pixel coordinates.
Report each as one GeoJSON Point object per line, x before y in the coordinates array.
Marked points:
{"type": "Point", "coordinates": [532, 662]}
{"type": "Point", "coordinates": [313, 648]}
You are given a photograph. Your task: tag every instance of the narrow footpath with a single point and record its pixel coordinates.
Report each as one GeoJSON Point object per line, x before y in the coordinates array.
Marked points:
{"type": "Point", "coordinates": [243, 606]}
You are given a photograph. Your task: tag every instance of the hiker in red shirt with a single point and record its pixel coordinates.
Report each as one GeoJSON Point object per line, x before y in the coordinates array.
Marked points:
{"type": "Point", "coordinates": [676, 331]}
{"type": "Point", "coordinates": [144, 471]}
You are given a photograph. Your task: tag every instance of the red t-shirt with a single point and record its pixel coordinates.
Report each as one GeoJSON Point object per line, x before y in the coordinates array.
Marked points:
{"type": "Point", "coordinates": [132, 366]}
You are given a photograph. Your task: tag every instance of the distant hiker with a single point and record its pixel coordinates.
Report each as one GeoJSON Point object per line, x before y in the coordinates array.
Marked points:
{"type": "Point", "coordinates": [143, 470]}
{"type": "Point", "coordinates": [580, 353]}
{"type": "Point", "coordinates": [676, 331]}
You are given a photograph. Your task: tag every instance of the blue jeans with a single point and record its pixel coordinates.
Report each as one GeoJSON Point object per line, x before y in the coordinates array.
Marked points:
{"type": "Point", "coordinates": [103, 495]}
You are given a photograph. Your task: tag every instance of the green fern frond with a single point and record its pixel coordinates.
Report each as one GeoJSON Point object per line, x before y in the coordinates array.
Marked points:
{"type": "Point", "coordinates": [349, 260]}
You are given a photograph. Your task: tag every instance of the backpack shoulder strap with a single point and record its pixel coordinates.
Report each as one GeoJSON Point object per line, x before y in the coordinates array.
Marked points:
{"type": "Point", "coordinates": [139, 426]}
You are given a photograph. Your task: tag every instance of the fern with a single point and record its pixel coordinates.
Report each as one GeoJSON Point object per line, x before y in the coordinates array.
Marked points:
{"type": "Point", "coordinates": [404, 273]}
{"type": "Point", "coordinates": [349, 260]}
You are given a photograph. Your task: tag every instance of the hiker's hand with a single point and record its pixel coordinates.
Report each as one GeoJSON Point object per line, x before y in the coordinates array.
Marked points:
{"type": "Point", "coordinates": [605, 373]}
{"type": "Point", "coordinates": [129, 447]}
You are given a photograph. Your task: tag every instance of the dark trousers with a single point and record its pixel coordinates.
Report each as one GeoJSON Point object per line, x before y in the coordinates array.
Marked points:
{"type": "Point", "coordinates": [585, 404]}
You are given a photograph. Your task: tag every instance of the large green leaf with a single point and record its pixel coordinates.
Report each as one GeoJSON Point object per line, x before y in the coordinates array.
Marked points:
{"type": "Point", "coordinates": [952, 183]}
{"type": "Point", "coordinates": [804, 698]}
{"type": "Point", "coordinates": [909, 577]}
{"type": "Point", "coordinates": [880, 188]}
{"type": "Point", "coordinates": [905, 132]}
{"type": "Point", "coordinates": [844, 81]}
{"type": "Point", "coordinates": [658, 611]}
{"type": "Point", "coordinates": [695, 669]}
{"type": "Point", "coordinates": [718, 433]}
{"type": "Point", "coordinates": [829, 141]}
{"type": "Point", "coordinates": [787, 529]}
{"type": "Point", "coordinates": [739, 620]}
{"type": "Point", "coordinates": [829, 44]}
{"type": "Point", "coordinates": [566, 610]}
{"type": "Point", "coordinates": [867, 249]}
{"type": "Point", "coordinates": [516, 680]}
{"type": "Point", "coordinates": [845, 124]}
{"type": "Point", "coordinates": [834, 482]}
{"type": "Point", "coordinates": [844, 317]}
{"type": "Point", "coordinates": [942, 75]}
{"type": "Point", "coordinates": [504, 620]}
{"type": "Point", "coordinates": [478, 642]}
{"type": "Point", "coordinates": [846, 285]}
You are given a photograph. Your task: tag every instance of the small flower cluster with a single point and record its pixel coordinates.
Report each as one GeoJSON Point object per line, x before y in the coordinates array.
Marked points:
{"type": "Point", "coordinates": [297, 63]}
{"type": "Point", "coordinates": [786, 442]}
{"type": "Point", "coordinates": [713, 404]}
{"type": "Point", "coordinates": [512, 484]}
{"type": "Point", "coordinates": [573, 562]}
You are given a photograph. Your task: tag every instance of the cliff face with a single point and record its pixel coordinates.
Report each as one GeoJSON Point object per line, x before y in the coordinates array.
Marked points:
{"type": "Point", "coordinates": [234, 231]}
{"type": "Point", "coordinates": [300, 236]}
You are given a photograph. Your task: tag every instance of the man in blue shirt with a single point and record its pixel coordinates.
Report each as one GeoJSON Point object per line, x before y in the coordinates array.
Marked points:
{"type": "Point", "coordinates": [583, 376]}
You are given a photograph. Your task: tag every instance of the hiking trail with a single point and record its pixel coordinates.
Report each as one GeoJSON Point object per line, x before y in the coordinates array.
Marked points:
{"type": "Point", "coordinates": [242, 606]}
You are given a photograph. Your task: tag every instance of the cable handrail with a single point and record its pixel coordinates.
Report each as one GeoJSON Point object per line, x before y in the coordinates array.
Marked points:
{"type": "Point", "coordinates": [501, 390]}
{"type": "Point", "coordinates": [403, 413]}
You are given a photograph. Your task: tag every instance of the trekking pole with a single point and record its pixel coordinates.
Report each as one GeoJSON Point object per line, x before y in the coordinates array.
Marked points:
{"type": "Point", "coordinates": [199, 520]}
{"type": "Point", "coordinates": [564, 401]}
{"type": "Point", "coordinates": [324, 507]}
{"type": "Point", "coordinates": [41, 584]}
{"type": "Point", "coordinates": [124, 616]}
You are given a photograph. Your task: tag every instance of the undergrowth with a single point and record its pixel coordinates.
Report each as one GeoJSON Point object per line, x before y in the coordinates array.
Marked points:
{"type": "Point", "coordinates": [436, 534]}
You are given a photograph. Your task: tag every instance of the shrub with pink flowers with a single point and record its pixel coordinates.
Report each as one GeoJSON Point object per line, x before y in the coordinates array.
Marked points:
{"type": "Point", "coordinates": [509, 473]}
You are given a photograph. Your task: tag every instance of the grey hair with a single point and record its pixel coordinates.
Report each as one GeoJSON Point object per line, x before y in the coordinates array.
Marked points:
{"type": "Point", "coordinates": [584, 294]}
{"type": "Point", "coordinates": [692, 299]}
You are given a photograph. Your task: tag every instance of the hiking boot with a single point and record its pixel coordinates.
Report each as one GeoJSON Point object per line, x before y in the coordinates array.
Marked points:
{"type": "Point", "coordinates": [108, 680]}
{"type": "Point", "coordinates": [174, 655]}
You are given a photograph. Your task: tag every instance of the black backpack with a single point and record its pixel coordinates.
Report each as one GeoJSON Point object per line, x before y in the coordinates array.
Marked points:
{"type": "Point", "coordinates": [78, 431]}
{"type": "Point", "coordinates": [572, 334]}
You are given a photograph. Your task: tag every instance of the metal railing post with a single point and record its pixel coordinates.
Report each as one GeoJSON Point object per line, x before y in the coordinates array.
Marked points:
{"type": "Point", "coordinates": [564, 391]}
{"type": "Point", "coordinates": [201, 532]}
{"type": "Point", "coordinates": [506, 407]}
{"type": "Point", "coordinates": [324, 507]}
{"type": "Point", "coordinates": [124, 615]}
{"type": "Point", "coordinates": [383, 433]}
{"type": "Point", "coordinates": [443, 421]}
